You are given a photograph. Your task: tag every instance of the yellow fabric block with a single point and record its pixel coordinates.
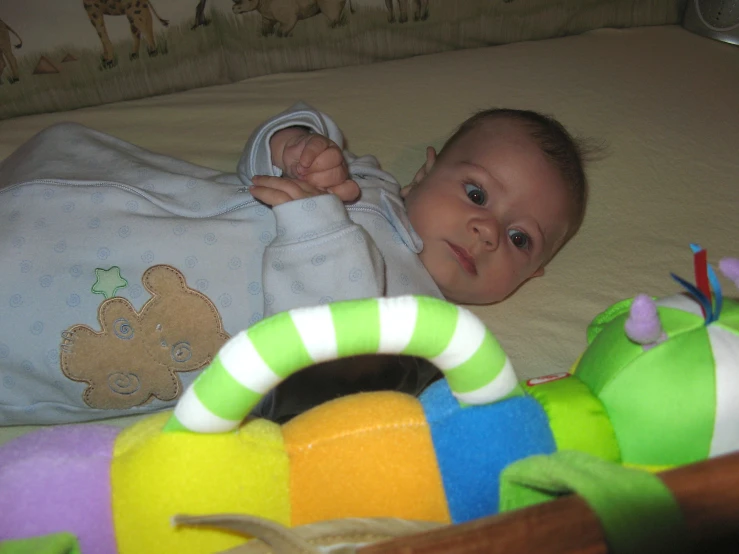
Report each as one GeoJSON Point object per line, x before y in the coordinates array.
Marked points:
{"type": "Point", "coordinates": [156, 475]}
{"type": "Point", "coordinates": [366, 455]}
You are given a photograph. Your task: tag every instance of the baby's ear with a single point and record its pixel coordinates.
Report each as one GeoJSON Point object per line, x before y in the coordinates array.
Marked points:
{"type": "Point", "coordinates": [421, 173]}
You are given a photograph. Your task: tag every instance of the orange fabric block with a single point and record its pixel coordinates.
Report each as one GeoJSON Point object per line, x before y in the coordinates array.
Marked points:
{"type": "Point", "coordinates": [366, 455]}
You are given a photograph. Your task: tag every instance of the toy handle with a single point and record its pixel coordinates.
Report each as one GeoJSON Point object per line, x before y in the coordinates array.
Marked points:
{"type": "Point", "coordinates": [254, 361]}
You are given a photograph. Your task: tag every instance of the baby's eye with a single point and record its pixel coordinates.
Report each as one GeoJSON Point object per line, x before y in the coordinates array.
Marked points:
{"type": "Point", "coordinates": [519, 239]}
{"type": "Point", "coordinates": [475, 193]}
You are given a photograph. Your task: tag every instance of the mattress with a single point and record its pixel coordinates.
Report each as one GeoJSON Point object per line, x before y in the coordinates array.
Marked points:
{"type": "Point", "coordinates": [659, 101]}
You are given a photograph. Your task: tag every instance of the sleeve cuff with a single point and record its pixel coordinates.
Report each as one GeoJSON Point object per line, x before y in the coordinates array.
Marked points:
{"type": "Point", "coordinates": [256, 158]}
{"type": "Point", "coordinates": [310, 218]}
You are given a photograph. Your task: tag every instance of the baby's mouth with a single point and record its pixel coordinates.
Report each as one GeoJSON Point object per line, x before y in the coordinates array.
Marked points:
{"type": "Point", "coordinates": [464, 258]}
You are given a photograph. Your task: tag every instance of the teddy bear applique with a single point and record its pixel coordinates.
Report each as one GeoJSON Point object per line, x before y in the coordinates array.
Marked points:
{"type": "Point", "coordinates": [136, 356]}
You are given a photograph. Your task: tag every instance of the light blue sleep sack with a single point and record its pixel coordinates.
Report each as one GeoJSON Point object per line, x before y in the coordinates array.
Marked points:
{"type": "Point", "coordinates": [124, 271]}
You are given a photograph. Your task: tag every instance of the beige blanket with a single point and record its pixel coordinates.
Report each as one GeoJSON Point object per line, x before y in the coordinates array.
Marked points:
{"type": "Point", "coordinates": [663, 101]}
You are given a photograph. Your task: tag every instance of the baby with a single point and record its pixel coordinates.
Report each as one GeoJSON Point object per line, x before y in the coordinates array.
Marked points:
{"type": "Point", "coordinates": [485, 215]}
{"type": "Point", "coordinates": [105, 241]}
{"type": "Point", "coordinates": [505, 193]}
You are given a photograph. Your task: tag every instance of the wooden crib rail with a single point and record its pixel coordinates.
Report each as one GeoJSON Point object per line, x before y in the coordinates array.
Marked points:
{"type": "Point", "coordinates": [708, 493]}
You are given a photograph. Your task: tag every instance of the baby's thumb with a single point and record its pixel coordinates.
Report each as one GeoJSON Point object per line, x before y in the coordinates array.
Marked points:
{"type": "Point", "coordinates": [348, 191]}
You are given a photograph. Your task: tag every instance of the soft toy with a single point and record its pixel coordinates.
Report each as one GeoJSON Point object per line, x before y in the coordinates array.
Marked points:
{"type": "Point", "coordinates": [657, 387]}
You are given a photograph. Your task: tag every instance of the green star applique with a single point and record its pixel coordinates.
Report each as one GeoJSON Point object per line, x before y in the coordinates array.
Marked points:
{"type": "Point", "coordinates": [108, 281]}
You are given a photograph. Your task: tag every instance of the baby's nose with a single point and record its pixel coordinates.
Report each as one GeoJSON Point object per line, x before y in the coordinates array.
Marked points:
{"type": "Point", "coordinates": [486, 230]}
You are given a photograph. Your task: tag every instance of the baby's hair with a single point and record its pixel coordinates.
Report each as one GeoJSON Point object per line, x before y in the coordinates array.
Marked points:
{"type": "Point", "coordinates": [566, 153]}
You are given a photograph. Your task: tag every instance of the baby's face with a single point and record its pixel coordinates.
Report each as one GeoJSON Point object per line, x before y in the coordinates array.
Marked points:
{"type": "Point", "coordinates": [491, 211]}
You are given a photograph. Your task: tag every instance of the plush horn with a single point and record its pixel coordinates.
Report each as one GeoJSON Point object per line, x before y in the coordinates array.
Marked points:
{"type": "Point", "coordinates": [730, 268]}
{"type": "Point", "coordinates": [643, 325]}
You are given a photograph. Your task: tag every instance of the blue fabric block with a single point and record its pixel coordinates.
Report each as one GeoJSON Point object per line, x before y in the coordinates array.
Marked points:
{"type": "Point", "coordinates": [474, 444]}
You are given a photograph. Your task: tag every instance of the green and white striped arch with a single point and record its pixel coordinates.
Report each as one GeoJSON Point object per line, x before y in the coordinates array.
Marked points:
{"type": "Point", "coordinates": [253, 362]}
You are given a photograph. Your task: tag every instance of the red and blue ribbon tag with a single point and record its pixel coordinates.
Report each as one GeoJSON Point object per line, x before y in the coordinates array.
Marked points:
{"type": "Point", "coordinates": [707, 289]}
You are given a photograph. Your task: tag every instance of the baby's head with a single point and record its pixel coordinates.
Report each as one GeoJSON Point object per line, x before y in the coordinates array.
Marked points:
{"type": "Point", "coordinates": [504, 194]}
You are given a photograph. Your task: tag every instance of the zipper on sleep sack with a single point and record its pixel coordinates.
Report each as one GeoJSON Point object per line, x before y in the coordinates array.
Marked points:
{"type": "Point", "coordinates": [366, 209]}
{"type": "Point", "coordinates": [139, 192]}
{"type": "Point", "coordinates": [127, 188]}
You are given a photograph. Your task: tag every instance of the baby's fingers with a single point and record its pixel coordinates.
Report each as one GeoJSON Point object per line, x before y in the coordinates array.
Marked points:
{"type": "Point", "coordinates": [348, 191]}
{"type": "Point", "coordinates": [328, 178]}
{"type": "Point", "coordinates": [320, 153]}
{"type": "Point", "coordinates": [270, 196]}
{"type": "Point", "coordinates": [277, 190]}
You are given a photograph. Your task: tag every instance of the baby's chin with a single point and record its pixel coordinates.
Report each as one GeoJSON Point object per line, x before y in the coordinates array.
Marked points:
{"type": "Point", "coordinates": [471, 299]}
{"type": "Point", "coordinates": [467, 290]}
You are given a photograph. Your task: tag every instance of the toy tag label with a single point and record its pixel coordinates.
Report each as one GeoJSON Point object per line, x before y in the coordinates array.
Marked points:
{"type": "Point", "coordinates": [547, 379]}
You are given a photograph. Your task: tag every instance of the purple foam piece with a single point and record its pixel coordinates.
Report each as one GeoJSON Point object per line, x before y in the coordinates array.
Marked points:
{"type": "Point", "coordinates": [643, 325]}
{"type": "Point", "coordinates": [58, 479]}
{"type": "Point", "coordinates": [730, 268]}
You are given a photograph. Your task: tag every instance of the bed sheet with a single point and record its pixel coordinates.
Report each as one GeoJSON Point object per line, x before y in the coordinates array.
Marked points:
{"type": "Point", "coordinates": [659, 98]}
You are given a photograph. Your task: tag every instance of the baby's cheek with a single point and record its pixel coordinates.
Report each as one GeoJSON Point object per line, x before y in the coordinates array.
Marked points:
{"type": "Point", "coordinates": [439, 271]}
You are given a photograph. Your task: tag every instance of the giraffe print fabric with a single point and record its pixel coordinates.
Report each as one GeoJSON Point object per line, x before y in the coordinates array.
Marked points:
{"type": "Point", "coordinates": [139, 15]}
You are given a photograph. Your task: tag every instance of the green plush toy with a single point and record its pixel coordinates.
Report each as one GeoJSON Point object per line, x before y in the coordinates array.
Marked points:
{"type": "Point", "coordinates": [658, 386]}
{"type": "Point", "coordinates": [667, 371]}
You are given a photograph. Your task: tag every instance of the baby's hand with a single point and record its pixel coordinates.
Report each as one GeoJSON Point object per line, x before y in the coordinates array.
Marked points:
{"type": "Point", "coordinates": [316, 160]}
{"type": "Point", "coordinates": [320, 162]}
{"type": "Point", "coordinates": [278, 190]}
